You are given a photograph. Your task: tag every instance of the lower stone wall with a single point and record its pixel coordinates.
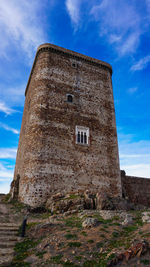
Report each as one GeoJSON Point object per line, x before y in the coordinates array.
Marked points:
{"type": "Point", "coordinates": [136, 189]}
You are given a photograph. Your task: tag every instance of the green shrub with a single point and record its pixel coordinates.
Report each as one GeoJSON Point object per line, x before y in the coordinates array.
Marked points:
{"type": "Point", "coordinates": [99, 244]}
{"type": "Point", "coordinates": [90, 241]}
{"type": "Point", "coordinates": [71, 236]}
{"type": "Point", "coordinates": [83, 233]}
{"type": "Point", "coordinates": [73, 222]}
{"type": "Point", "coordinates": [74, 244]}
{"type": "Point", "coordinates": [115, 234]}
{"type": "Point", "coordinates": [22, 251]}
{"type": "Point", "coordinates": [145, 262]}
{"type": "Point", "coordinates": [40, 254]}
{"type": "Point", "coordinates": [56, 259]}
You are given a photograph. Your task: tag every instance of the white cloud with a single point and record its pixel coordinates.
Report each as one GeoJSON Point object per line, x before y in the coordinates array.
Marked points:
{"type": "Point", "coordinates": [73, 8]}
{"type": "Point", "coordinates": [4, 108]}
{"type": "Point", "coordinates": [114, 38]}
{"type": "Point", "coordinates": [8, 153]}
{"type": "Point", "coordinates": [132, 90]}
{"type": "Point", "coordinates": [130, 43]}
{"type": "Point", "coordinates": [123, 156]}
{"type": "Point", "coordinates": [148, 4]}
{"type": "Point", "coordinates": [139, 170]}
{"type": "Point", "coordinates": [6, 173]}
{"type": "Point", "coordinates": [141, 64]}
{"type": "Point", "coordinates": [7, 128]}
{"type": "Point", "coordinates": [5, 187]}
{"type": "Point", "coordinates": [19, 23]}
{"type": "Point", "coordinates": [134, 156]}
{"type": "Point", "coordinates": [13, 96]}
{"type": "Point", "coordinates": [6, 176]}
{"type": "Point", "coordinates": [120, 22]}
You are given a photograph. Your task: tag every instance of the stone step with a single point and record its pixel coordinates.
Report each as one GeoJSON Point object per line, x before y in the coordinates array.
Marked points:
{"type": "Point", "coordinates": [6, 252]}
{"type": "Point", "coordinates": [5, 261]}
{"type": "Point", "coordinates": [7, 244]}
{"type": "Point", "coordinates": [8, 233]}
{"type": "Point", "coordinates": [9, 225]}
{"type": "Point", "coordinates": [9, 229]}
{"type": "Point", "coordinates": [10, 238]}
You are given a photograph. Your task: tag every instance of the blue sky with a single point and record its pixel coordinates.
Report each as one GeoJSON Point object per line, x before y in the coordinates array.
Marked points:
{"type": "Point", "coordinates": [115, 31]}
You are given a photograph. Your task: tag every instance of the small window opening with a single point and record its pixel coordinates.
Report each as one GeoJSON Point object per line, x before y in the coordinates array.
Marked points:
{"type": "Point", "coordinates": [81, 137]}
{"type": "Point", "coordinates": [85, 138]}
{"type": "Point", "coordinates": [69, 98]}
{"type": "Point", "coordinates": [74, 65]}
{"type": "Point", "coordinates": [78, 138]}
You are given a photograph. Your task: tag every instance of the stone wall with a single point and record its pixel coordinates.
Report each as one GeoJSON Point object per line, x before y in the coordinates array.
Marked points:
{"type": "Point", "coordinates": [136, 189]}
{"type": "Point", "coordinates": [48, 158]}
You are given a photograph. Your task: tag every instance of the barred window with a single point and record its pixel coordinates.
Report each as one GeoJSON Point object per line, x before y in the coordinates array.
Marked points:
{"type": "Point", "coordinates": [82, 135]}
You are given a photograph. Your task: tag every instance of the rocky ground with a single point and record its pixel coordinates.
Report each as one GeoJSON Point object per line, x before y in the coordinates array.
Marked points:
{"type": "Point", "coordinates": [80, 238]}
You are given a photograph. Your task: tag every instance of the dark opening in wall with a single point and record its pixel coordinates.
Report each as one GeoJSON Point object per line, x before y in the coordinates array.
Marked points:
{"type": "Point", "coordinates": [69, 98]}
{"type": "Point", "coordinates": [74, 65]}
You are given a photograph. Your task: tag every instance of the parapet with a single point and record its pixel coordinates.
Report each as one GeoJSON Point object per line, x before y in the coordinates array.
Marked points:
{"type": "Point", "coordinates": [69, 53]}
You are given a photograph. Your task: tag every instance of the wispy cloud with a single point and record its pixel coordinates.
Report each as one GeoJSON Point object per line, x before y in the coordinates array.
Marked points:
{"type": "Point", "coordinates": [5, 187]}
{"type": "Point", "coordinates": [139, 170]}
{"type": "Point", "coordinates": [6, 175]}
{"type": "Point", "coordinates": [13, 96]}
{"type": "Point", "coordinates": [7, 110]}
{"type": "Point", "coordinates": [128, 156]}
{"type": "Point", "coordinates": [6, 170]}
{"type": "Point", "coordinates": [141, 64]}
{"type": "Point", "coordinates": [19, 23]}
{"type": "Point", "coordinates": [73, 8]}
{"type": "Point", "coordinates": [8, 153]}
{"type": "Point", "coordinates": [7, 128]}
{"type": "Point", "coordinates": [132, 90]}
{"type": "Point", "coordinates": [120, 23]}
{"type": "Point", "coordinates": [134, 156]}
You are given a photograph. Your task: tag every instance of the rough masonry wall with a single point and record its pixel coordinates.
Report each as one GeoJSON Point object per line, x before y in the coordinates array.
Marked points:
{"type": "Point", "coordinates": [48, 158]}
{"type": "Point", "coordinates": [136, 189]}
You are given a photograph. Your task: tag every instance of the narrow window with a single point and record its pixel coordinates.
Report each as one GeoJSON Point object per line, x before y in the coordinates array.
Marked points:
{"type": "Point", "coordinates": [78, 138]}
{"type": "Point", "coordinates": [69, 98]}
{"type": "Point", "coordinates": [85, 138]}
{"type": "Point", "coordinates": [81, 137]}
{"type": "Point", "coordinates": [74, 65]}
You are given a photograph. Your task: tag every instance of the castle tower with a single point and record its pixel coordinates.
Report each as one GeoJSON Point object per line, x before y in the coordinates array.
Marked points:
{"type": "Point", "coordinates": [68, 139]}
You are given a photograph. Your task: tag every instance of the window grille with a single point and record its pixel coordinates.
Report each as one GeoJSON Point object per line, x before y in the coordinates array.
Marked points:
{"type": "Point", "coordinates": [82, 135]}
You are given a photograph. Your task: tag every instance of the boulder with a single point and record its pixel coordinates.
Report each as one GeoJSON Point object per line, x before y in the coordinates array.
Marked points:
{"type": "Point", "coordinates": [89, 222]}
{"type": "Point", "coordinates": [61, 203]}
{"type": "Point", "coordinates": [128, 220]}
{"type": "Point", "coordinates": [89, 199]}
{"type": "Point", "coordinates": [104, 202]}
{"type": "Point", "coordinates": [146, 217]}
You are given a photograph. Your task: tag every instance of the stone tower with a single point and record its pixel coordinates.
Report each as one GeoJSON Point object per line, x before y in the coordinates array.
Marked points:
{"type": "Point", "coordinates": [68, 139]}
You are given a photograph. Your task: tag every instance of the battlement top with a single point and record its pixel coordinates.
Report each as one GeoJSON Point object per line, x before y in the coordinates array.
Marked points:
{"type": "Point", "coordinates": [60, 50]}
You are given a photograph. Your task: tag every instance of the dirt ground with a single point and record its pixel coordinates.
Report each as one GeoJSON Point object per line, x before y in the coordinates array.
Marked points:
{"type": "Point", "coordinates": [61, 240]}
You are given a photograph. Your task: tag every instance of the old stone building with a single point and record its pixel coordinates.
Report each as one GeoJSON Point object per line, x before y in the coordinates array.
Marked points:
{"type": "Point", "coordinates": [68, 139]}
